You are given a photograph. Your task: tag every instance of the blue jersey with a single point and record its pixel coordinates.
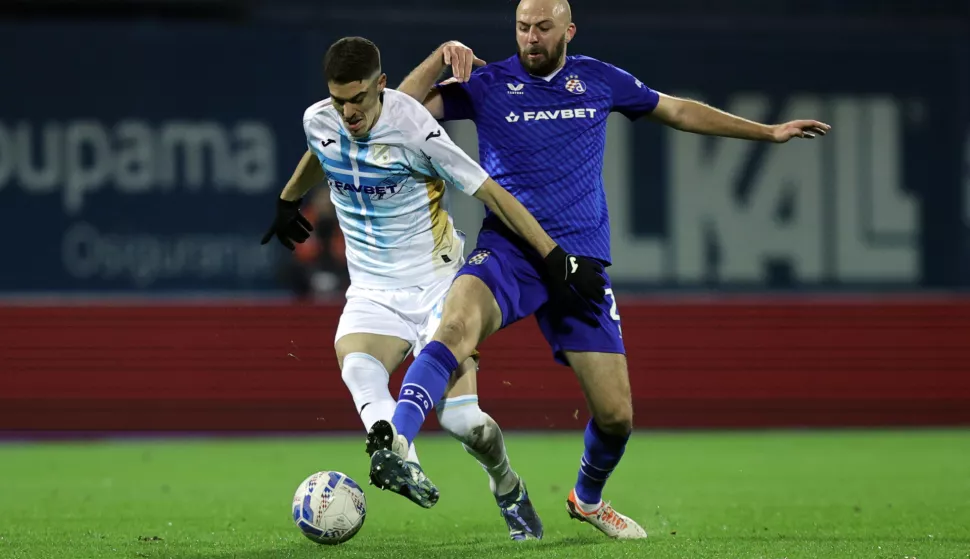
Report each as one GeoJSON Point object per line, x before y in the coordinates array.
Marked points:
{"type": "Point", "coordinates": [543, 139]}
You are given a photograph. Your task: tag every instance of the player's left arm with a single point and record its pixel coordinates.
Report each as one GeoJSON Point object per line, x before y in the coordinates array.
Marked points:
{"type": "Point", "coordinates": [582, 274]}
{"type": "Point", "coordinates": [515, 216]}
{"type": "Point", "coordinates": [452, 164]}
{"type": "Point", "coordinates": [693, 116]}
{"type": "Point", "coordinates": [632, 98]}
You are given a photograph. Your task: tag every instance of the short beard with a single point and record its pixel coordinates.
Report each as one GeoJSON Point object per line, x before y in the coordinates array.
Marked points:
{"type": "Point", "coordinates": [547, 66]}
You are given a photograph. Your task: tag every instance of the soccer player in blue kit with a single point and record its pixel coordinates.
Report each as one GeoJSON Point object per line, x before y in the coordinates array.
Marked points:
{"type": "Point", "coordinates": [541, 120]}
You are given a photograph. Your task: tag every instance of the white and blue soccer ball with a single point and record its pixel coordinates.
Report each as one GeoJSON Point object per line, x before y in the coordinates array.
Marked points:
{"type": "Point", "coordinates": [329, 507]}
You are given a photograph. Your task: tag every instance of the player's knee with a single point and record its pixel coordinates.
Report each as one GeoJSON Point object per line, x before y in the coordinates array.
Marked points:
{"type": "Point", "coordinates": [459, 335]}
{"type": "Point", "coordinates": [615, 420]}
{"type": "Point", "coordinates": [362, 373]}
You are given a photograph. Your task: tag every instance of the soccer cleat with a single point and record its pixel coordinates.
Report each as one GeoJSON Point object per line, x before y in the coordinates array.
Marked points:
{"type": "Point", "coordinates": [389, 468]}
{"type": "Point", "coordinates": [605, 519]}
{"type": "Point", "coordinates": [383, 436]}
{"type": "Point", "coordinates": [519, 514]}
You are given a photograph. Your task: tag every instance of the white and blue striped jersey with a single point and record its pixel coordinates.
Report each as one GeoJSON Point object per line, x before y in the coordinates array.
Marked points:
{"type": "Point", "coordinates": [389, 192]}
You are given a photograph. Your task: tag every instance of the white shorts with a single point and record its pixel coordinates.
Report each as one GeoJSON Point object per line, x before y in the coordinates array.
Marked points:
{"type": "Point", "coordinates": [411, 313]}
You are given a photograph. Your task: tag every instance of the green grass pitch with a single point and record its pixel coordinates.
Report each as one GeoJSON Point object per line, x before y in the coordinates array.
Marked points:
{"type": "Point", "coordinates": [853, 494]}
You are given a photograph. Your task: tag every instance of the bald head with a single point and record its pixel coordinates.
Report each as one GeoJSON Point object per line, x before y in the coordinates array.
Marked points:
{"type": "Point", "coordinates": [558, 10]}
{"type": "Point", "coordinates": [542, 29]}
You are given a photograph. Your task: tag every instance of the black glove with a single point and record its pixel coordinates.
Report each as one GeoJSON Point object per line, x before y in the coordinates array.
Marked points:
{"type": "Point", "coordinates": [288, 224]}
{"type": "Point", "coordinates": [584, 275]}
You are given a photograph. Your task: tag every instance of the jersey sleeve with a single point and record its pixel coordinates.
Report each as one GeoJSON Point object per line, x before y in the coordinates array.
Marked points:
{"type": "Point", "coordinates": [631, 97]}
{"type": "Point", "coordinates": [443, 156]}
{"type": "Point", "coordinates": [459, 97]}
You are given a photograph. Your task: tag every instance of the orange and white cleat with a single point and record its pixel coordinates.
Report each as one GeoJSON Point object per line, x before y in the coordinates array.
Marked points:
{"type": "Point", "coordinates": [605, 519]}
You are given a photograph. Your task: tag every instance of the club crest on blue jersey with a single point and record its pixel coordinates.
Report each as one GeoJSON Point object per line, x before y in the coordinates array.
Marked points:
{"type": "Point", "coordinates": [478, 258]}
{"type": "Point", "coordinates": [575, 85]}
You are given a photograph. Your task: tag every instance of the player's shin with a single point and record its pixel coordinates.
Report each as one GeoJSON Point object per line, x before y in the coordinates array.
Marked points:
{"type": "Point", "coordinates": [367, 380]}
{"type": "Point", "coordinates": [424, 384]}
{"type": "Point", "coordinates": [602, 454]}
{"type": "Point", "coordinates": [481, 436]}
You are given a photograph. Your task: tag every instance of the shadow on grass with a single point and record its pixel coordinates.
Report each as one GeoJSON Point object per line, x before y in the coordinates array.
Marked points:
{"type": "Point", "coordinates": [401, 548]}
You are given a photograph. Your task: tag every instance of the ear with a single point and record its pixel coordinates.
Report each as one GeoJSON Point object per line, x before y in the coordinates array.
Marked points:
{"type": "Point", "coordinates": [570, 32]}
{"type": "Point", "coordinates": [381, 82]}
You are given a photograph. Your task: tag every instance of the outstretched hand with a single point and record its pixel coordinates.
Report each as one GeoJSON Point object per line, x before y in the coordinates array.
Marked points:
{"type": "Point", "coordinates": [807, 129]}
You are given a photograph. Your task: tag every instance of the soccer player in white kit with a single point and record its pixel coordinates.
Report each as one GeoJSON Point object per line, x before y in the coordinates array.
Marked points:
{"type": "Point", "coordinates": [387, 162]}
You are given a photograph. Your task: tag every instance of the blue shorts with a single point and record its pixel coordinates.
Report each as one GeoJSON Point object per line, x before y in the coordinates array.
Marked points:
{"type": "Point", "coordinates": [516, 276]}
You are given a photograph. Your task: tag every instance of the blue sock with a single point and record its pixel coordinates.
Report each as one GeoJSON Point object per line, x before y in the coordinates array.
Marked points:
{"type": "Point", "coordinates": [603, 453]}
{"type": "Point", "coordinates": [423, 385]}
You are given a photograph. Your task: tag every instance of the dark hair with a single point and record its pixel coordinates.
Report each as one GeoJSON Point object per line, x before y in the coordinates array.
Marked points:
{"type": "Point", "coordinates": [352, 59]}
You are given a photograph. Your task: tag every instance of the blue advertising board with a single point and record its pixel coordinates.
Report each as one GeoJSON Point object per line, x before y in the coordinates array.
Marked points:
{"type": "Point", "coordinates": [135, 158]}
{"type": "Point", "coordinates": [147, 158]}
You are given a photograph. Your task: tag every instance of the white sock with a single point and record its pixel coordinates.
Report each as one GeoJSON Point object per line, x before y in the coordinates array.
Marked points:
{"type": "Point", "coordinates": [482, 438]}
{"type": "Point", "coordinates": [586, 507]}
{"type": "Point", "coordinates": [366, 378]}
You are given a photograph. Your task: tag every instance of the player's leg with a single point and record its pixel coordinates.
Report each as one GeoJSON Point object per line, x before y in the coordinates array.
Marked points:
{"type": "Point", "coordinates": [371, 341]}
{"type": "Point", "coordinates": [366, 361]}
{"type": "Point", "coordinates": [591, 342]}
{"type": "Point", "coordinates": [423, 385]}
{"type": "Point", "coordinates": [471, 314]}
{"type": "Point", "coordinates": [606, 385]}
{"type": "Point", "coordinates": [486, 295]}
{"type": "Point", "coordinates": [461, 417]}
{"type": "Point", "coordinates": [605, 382]}
{"type": "Point", "coordinates": [481, 436]}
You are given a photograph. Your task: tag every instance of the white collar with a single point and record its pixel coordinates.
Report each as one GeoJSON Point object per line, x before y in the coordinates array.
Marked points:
{"type": "Point", "coordinates": [552, 75]}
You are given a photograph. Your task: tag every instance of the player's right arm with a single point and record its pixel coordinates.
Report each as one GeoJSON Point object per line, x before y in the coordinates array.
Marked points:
{"type": "Point", "coordinates": [308, 173]}
{"type": "Point", "coordinates": [419, 84]}
{"type": "Point", "coordinates": [289, 225]}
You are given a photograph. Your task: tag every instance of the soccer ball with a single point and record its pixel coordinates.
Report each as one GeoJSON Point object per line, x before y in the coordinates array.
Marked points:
{"type": "Point", "coordinates": [329, 507]}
